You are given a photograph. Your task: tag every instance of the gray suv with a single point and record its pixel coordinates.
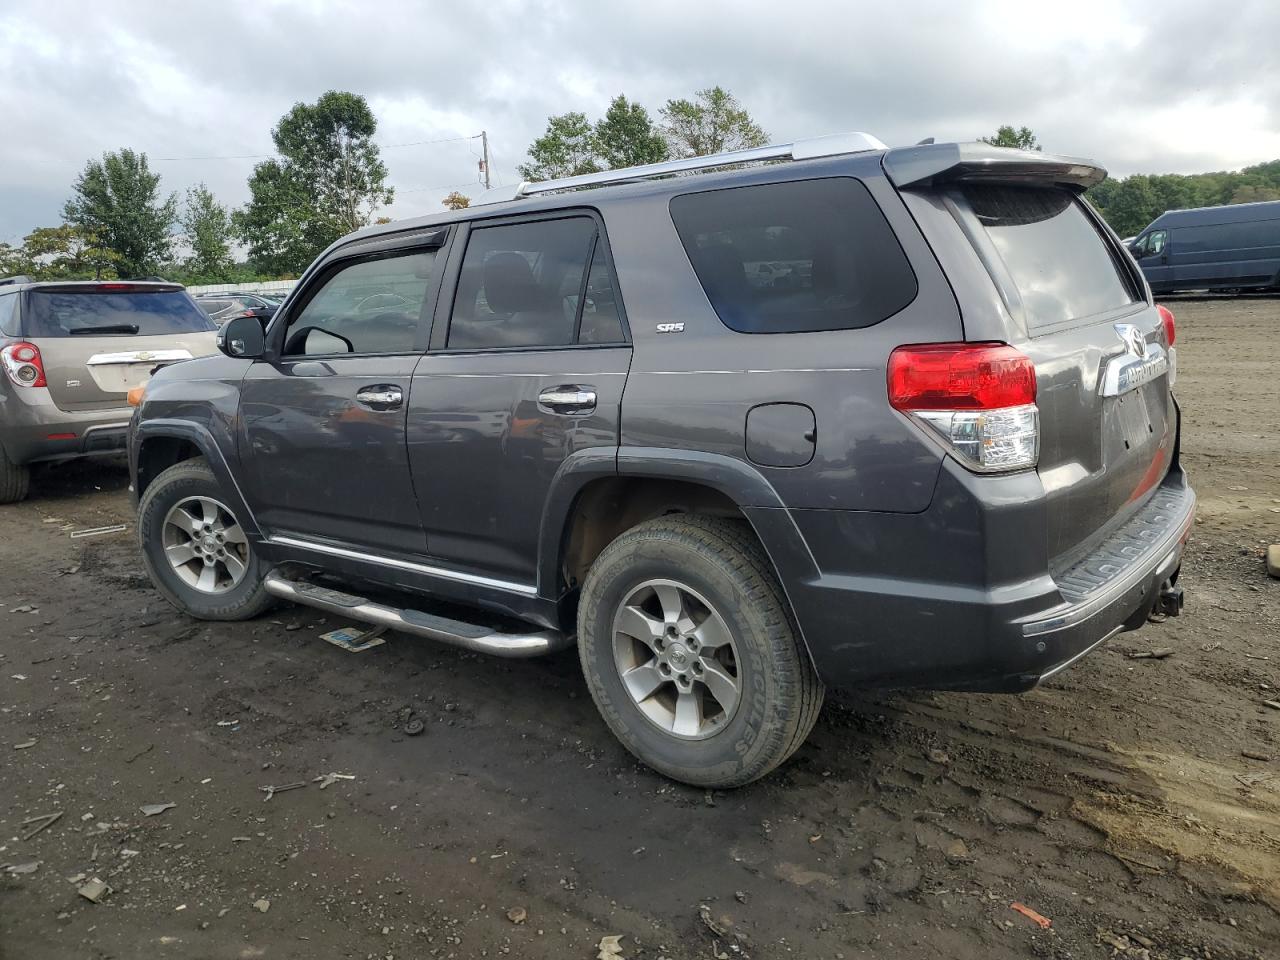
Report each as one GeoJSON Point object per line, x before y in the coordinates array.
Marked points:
{"type": "Point", "coordinates": [71, 352]}
{"type": "Point", "coordinates": [823, 414]}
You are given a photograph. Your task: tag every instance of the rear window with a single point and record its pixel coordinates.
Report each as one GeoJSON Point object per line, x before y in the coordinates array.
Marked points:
{"type": "Point", "coordinates": [104, 313]}
{"type": "Point", "coordinates": [1056, 257]}
{"type": "Point", "coordinates": [795, 257]}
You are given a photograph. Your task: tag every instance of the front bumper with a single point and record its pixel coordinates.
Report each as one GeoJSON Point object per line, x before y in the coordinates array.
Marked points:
{"type": "Point", "coordinates": [960, 596]}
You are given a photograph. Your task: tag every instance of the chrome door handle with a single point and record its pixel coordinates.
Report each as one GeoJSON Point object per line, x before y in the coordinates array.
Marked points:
{"type": "Point", "coordinates": [380, 397]}
{"type": "Point", "coordinates": [568, 399]}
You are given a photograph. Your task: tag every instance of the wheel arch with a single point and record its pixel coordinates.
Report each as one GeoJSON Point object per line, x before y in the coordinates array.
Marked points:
{"type": "Point", "coordinates": [595, 499]}
{"type": "Point", "coordinates": [159, 444]}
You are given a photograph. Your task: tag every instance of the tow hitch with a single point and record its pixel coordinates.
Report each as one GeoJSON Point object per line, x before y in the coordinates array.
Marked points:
{"type": "Point", "coordinates": [1168, 601]}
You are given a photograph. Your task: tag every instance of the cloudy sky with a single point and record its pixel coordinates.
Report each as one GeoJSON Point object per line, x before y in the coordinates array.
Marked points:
{"type": "Point", "coordinates": [1175, 86]}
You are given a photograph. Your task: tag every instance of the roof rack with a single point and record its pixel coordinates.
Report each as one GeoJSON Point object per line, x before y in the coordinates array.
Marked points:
{"type": "Point", "coordinates": [799, 150]}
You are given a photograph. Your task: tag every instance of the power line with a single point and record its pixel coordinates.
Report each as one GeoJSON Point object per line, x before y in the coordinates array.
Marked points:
{"type": "Point", "coordinates": [265, 156]}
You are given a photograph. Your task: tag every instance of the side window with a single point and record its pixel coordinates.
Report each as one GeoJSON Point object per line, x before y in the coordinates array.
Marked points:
{"type": "Point", "coordinates": [601, 321]}
{"type": "Point", "coordinates": [1139, 247]}
{"type": "Point", "coordinates": [795, 257]}
{"type": "Point", "coordinates": [1155, 242]}
{"type": "Point", "coordinates": [7, 302]}
{"type": "Point", "coordinates": [521, 285]}
{"type": "Point", "coordinates": [370, 306]}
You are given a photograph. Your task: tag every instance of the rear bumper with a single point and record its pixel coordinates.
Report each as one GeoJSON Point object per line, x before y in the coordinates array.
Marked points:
{"type": "Point", "coordinates": [960, 597]}
{"type": "Point", "coordinates": [33, 429]}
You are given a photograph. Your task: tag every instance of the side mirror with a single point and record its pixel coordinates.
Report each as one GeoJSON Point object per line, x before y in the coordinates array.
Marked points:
{"type": "Point", "coordinates": [243, 338]}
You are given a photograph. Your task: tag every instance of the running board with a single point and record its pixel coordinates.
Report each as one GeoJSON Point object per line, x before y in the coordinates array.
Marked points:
{"type": "Point", "coordinates": [469, 636]}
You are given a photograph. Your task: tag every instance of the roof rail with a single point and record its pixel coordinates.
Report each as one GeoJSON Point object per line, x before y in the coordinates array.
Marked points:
{"type": "Point", "coordinates": [799, 150]}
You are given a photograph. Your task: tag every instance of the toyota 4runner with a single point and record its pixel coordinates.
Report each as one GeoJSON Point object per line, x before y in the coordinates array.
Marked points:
{"type": "Point", "coordinates": [823, 414]}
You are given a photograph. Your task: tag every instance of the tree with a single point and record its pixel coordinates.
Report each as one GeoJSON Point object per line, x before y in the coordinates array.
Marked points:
{"type": "Point", "coordinates": [456, 201]}
{"type": "Point", "coordinates": [117, 203]}
{"type": "Point", "coordinates": [329, 180]}
{"type": "Point", "coordinates": [207, 227]}
{"type": "Point", "coordinates": [713, 122]}
{"type": "Point", "coordinates": [567, 149]}
{"type": "Point", "coordinates": [67, 252]}
{"type": "Point", "coordinates": [626, 137]}
{"type": "Point", "coordinates": [1020, 139]}
{"type": "Point", "coordinates": [13, 260]}
{"type": "Point", "coordinates": [1254, 193]}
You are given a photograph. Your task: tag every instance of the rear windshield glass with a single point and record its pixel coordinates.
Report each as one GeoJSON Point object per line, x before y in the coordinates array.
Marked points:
{"type": "Point", "coordinates": [1055, 256]}
{"type": "Point", "coordinates": [61, 314]}
{"type": "Point", "coordinates": [795, 257]}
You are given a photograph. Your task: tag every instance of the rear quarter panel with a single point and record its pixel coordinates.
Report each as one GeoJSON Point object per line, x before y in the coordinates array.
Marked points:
{"type": "Point", "coordinates": [693, 389]}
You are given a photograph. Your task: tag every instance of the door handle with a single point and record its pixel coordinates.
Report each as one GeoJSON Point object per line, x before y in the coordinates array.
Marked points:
{"type": "Point", "coordinates": [380, 397]}
{"type": "Point", "coordinates": [568, 399]}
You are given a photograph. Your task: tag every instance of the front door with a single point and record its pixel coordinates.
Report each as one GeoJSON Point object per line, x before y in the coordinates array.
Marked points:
{"type": "Point", "coordinates": [323, 420]}
{"type": "Point", "coordinates": [528, 372]}
{"type": "Point", "coordinates": [1152, 254]}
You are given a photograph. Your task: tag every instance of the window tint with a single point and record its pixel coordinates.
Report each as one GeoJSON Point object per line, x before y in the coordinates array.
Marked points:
{"type": "Point", "coordinates": [795, 257]}
{"type": "Point", "coordinates": [213, 307]}
{"type": "Point", "coordinates": [601, 321]}
{"type": "Point", "coordinates": [109, 313]}
{"type": "Point", "coordinates": [521, 284]}
{"type": "Point", "coordinates": [7, 302]}
{"type": "Point", "coordinates": [374, 305]}
{"type": "Point", "coordinates": [1055, 256]}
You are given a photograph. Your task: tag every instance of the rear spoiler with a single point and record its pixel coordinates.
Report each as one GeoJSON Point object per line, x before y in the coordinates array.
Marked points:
{"type": "Point", "coordinates": [109, 286]}
{"type": "Point", "coordinates": [928, 164]}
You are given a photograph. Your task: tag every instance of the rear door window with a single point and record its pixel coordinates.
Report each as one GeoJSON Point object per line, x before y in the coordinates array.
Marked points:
{"type": "Point", "coordinates": [59, 313]}
{"type": "Point", "coordinates": [528, 285]}
{"type": "Point", "coordinates": [795, 257]}
{"type": "Point", "coordinates": [1061, 265]}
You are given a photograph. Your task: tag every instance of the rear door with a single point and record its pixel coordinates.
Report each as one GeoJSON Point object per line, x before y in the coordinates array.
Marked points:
{"type": "Point", "coordinates": [1108, 424]}
{"type": "Point", "coordinates": [528, 362]}
{"type": "Point", "coordinates": [322, 419]}
{"type": "Point", "coordinates": [99, 341]}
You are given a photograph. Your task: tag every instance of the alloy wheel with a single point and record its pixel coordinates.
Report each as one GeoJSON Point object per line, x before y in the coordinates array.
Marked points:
{"type": "Point", "coordinates": [676, 657]}
{"type": "Point", "coordinates": [205, 545]}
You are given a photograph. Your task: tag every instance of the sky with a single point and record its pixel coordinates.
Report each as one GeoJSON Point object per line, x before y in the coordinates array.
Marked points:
{"type": "Point", "coordinates": [1178, 86]}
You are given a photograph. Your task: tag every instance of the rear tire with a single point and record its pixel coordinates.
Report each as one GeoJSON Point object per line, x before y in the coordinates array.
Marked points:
{"type": "Point", "coordinates": [730, 644]}
{"type": "Point", "coordinates": [220, 576]}
{"type": "Point", "coordinates": [15, 480]}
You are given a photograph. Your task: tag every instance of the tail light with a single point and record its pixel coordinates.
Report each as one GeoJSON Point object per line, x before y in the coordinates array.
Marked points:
{"type": "Point", "coordinates": [23, 364]}
{"type": "Point", "coordinates": [979, 398]}
{"type": "Point", "coordinates": [1166, 318]}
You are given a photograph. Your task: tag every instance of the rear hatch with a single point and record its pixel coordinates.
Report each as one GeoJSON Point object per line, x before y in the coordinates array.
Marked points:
{"type": "Point", "coordinates": [1075, 305]}
{"type": "Point", "coordinates": [99, 341]}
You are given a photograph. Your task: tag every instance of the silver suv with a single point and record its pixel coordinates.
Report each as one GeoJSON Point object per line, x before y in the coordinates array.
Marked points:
{"type": "Point", "coordinates": [71, 352]}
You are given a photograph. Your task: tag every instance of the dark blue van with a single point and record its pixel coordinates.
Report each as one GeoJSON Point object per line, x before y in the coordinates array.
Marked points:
{"type": "Point", "coordinates": [1229, 248]}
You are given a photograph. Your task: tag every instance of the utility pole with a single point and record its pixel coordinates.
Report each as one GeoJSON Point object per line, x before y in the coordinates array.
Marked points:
{"type": "Point", "coordinates": [484, 161]}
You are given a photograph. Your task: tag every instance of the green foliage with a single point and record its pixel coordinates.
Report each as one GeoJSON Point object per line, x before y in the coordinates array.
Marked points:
{"type": "Point", "coordinates": [626, 136]}
{"type": "Point", "coordinates": [329, 180]}
{"type": "Point", "coordinates": [1020, 139]}
{"type": "Point", "coordinates": [116, 203]}
{"type": "Point", "coordinates": [207, 227]}
{"type": "Point", "coordinates": [713, 122]}
{"type": "Point", "coordinates": [1130, 204]}
{"type": "Point", "coordinates": [456, 201]}
{"type": "Point", "coordinates": [567, 149]}
{"type": "Point", "coordinates": [66, 252]}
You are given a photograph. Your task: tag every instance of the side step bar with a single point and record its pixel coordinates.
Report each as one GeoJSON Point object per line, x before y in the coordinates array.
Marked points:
{"type": "Point", "coordinates": [469, 636]}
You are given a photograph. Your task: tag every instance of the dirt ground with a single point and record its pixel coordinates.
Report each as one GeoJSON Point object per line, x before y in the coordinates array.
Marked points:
{"type": "Point", "coordinates": [1134, 802]}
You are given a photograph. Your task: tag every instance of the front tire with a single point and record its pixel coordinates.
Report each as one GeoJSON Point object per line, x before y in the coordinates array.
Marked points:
{"type": "Point", "coordinates": [15, 480]}
{"type": "Point", "coordinates": [195, 551]}
{"type": "Point", "coordinates": [689, 651]}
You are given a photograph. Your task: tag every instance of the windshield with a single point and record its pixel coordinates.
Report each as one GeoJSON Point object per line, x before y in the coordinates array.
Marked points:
{"type": "Point", "coordinates": [107, 313]}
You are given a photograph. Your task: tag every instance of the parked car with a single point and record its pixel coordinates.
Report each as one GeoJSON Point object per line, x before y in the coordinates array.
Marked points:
{"type": "Point", "coordinates": [222, 307]}
{"type": "Point", "coordinates": [1230, 248]}
{"type": "Point", "coordinates": [592, 419]}
{"type": "Point", "coordinates": [71, 352]}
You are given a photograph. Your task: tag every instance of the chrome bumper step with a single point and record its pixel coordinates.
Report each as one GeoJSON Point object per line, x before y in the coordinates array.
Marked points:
{"type": "Point", "coordinates": [469, 636]}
